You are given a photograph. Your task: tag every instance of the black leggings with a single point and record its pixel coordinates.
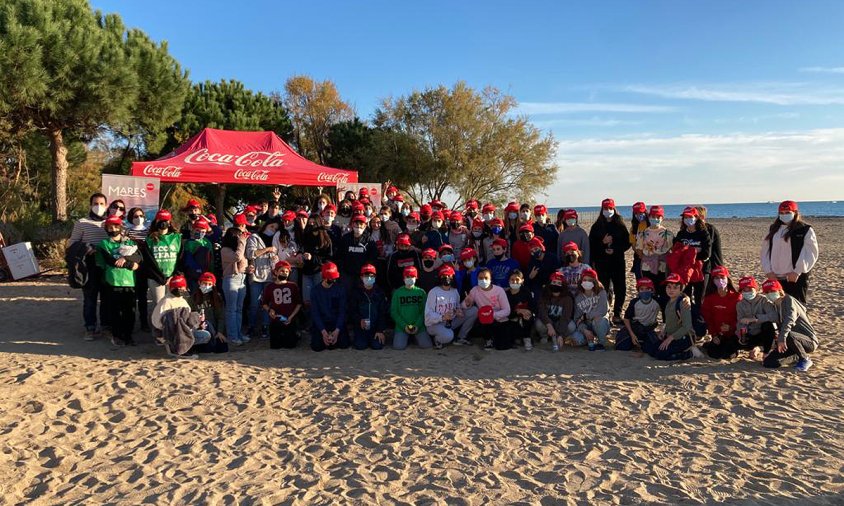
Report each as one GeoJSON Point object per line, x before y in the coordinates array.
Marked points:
{"type": "Point", "coordinates": [615, 275]}
{"type": "Point", "coordinates": [799, 289]}
{"type": "Point", "coordinates": [122, 307]}
{"type": "Point", "coordinates": [798, 347]}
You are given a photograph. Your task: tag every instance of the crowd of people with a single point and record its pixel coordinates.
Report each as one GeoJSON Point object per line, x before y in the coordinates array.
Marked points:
{"type": "Point", "coordinates": [371, 274]}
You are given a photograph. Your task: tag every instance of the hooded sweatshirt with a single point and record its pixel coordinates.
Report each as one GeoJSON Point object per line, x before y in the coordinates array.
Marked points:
{"type": "Point", "coordinates": [555, 308]}
{"type": "Point", "coordinates": [792, 317]}
{"type": "Point", "coordinates": [592, 306]}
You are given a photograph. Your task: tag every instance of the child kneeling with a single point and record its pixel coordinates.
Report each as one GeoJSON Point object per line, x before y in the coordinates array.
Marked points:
{"type": "Point", "coordinates": [282, 301]}
{"type": "Point", "coordinates": [674, 341]}
{"type": "Point", "coordinates": [640, 319]}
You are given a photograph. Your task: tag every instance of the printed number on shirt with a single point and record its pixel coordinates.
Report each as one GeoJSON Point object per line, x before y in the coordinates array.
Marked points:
{"type": "Point", "coordinates": [282, 296]}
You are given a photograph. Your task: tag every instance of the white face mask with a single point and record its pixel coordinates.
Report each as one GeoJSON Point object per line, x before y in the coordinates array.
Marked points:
{"type": "Point", "coordinates": [138, 221]}
{"type": "Point", "coordinates": [321, 206]}
{"type": "Point", "coordinates": [773, 296]}
{"type": "Point", "coordinates": [469, 264]}
{"type": "Point", "coordinates": [409, 282]}
{"type": "Point", "coordinates": [206, 288]}
{"type": "Point", "coordinates": [571, 222]}
{"type": "Point", "coordinates": [786, 217]}
{"type": "Point", "coordinates": [721, 283]}
{"type": "Point", "coordinates": [488, 216]}
{"type": "Point", "coordinates": [513, 216]}
{"type": "Point", "coordinates": [608, 213]}
{"type": "Point", "coordinates": [690, 221]}
{"type": "Point", "coordinates": [525, 216]}
{"type": "Point", "coordinates": [477, 233]}
{"type": "Point", "coordinates": [587, 285]}
{"type": "Point", "coordinates": [412, 227]}
{"type": "Point", "coordinates": [656, 221]}
{"type": "Point", "coordinates": [748, 295]}
{"type": "Point", "coordinates": [289, 228]}
{"type": "Point", "coordinates": [98, 209]}
{"type": "Point", "coordinates": [515, 286]}
{"type": "Point", "coordinates": [367, 212]}
{"type": "Point", "coordinates": [385, 218]}
{"type": "Point", "coordinates": [405, 211]}
{"type": "Point", "coordinates": [358, 230]}
{"type": "Point", "coordinates": [437, 224]}
{"type": "Point", "coordinates": [484, 283]}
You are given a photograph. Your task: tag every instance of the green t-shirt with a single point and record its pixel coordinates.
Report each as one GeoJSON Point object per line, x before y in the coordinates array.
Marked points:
{"type": "Point", "coordinates": [115, 276]}
{"type": "Point", "coordinates": [408, 307]}
{"type": "Point", "coordinates": [194, 244]}
{"type": "Point", "coordinates": [166, 251]}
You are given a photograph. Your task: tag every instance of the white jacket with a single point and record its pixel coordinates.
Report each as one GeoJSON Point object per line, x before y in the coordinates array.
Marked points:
{"type": "Point", "coordinates": [779, 261]}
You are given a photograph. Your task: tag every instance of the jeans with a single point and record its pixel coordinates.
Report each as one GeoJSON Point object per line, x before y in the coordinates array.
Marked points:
{"type": "Point", "coordinates": [157, 292]}
{"type": "Point", "coordinates": [599, 327]}
{"type": "Point", "coordinates": [309, 281]}
{"type": "Point", "coordinates": [234, 291]}
{"type": "Point", "coordinates": [401, 338]}
{"type": "Point", "coordinates": [257, 316]}
{"type": "Point", "coordinates": [92, 290]}
{"type": "Point", "coordinates": [678, 349]}
{"type": "Point", "coordinates": [465, 323]}
{"type": "Point", "coordinates": [563, 329]}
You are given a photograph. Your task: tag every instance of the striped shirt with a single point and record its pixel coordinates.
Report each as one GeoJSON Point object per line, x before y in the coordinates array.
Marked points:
{"type": "Point", "coordinates": [138, 234]}
{"type": "Point", "coordinates": [88, 231]}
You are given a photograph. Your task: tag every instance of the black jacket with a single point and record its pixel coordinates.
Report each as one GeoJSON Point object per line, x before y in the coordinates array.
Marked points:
{"type": "Point", "coordinates": [620, 242]}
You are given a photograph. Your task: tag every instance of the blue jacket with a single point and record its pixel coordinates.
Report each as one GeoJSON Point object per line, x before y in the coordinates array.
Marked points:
{"type": "Point", "coordinates": [371, 305]}
{"type": "Point", "coordinates": [460, 279]}
{"type": "Point", "coordinates": [501, 270]}
{"type": "Point", "coordinates": [328, 307]}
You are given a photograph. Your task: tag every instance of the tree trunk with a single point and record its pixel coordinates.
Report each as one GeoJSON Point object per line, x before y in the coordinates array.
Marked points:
{"type": "Point", "coordinates": [59, 172]}
{"type": "Point", "coordinates": [220, 204]}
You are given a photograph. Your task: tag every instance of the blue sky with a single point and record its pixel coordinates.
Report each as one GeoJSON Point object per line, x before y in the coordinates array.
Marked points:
{"type": "Point", "coordinates": [662, 101]}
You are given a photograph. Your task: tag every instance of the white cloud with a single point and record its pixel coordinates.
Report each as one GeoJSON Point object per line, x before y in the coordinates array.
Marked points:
{"type": "Point", "coordinates": [594, 121]}
{"type": "Point", "coordinates": [737, 167]}
{"type": "Point", "coordinates": [823, 70]}
{"type": "Point", "coordinates": [537, 108]}
{"type": "Point", "coordinates": [766, 93]}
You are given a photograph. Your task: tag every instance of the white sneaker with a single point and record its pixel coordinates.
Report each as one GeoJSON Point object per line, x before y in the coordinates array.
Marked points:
{"type": "Point", "coordinates": [696, 353]}
{"type": "Point", "coordinates": [528, 344]}
{"type": "Point", "coordinates": [488, 345]}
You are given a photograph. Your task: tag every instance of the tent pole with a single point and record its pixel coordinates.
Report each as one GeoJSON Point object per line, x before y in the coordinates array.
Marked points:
{"type": "Point", "coordinates": [220, 203]}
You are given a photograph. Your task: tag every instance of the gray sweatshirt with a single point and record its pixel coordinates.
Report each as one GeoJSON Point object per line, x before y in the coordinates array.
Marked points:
{"type": "Point", "coordinates": [793, 318]}
{"type": "Point", "coordinates": [760, 308]}
{"type": "Point", "coordinates": [591, 306]}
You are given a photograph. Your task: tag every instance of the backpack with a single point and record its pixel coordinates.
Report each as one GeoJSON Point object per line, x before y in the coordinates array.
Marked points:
{"type": "Point", "coordinates": [77, 265]}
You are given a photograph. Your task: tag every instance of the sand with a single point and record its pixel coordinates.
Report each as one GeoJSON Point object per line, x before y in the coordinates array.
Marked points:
{"type": "Point", "coordinates": [90, 423]}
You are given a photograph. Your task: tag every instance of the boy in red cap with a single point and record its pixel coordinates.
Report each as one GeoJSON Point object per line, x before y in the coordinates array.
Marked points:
{"type": "Point", "coordinates": [542, 263]}
{"type": "Point", "coordinates": [443, 313]}
{"type": "Point", "coordinates": [282, 300]}
{"type": "Point", "coordinates": [197, 253]}
{"type": "Point", "coordinates": [434, 236]}
{"type": "Point", "coordinates": [609, 239]}
{"type": "Point", "coordinates": [555, 310]}
{"type": "Point", "coordinates": [520, 251]}
{"type": "Point", "coordinates": [640, 319]}
{"type": "Point", "coordinates": [119, 258]}
{"type": "Point", "coordinates": [428, 275]}
{"type": "Point", "coordinates": [790, 251]}
{"type": "Point", "coordinates": [368, 311]}
{"type": "Point", "coordinates": [545, 229]}
{"type": "Point", "coordinates": [355, 250]}
{"type": "Point", "coordinates": [796, 337]}
{"type": "Point", "coordinates": [328, 311]}
{"type": "Point", "coordinates": [177, 322]}
{"type": "Point", "coordinates": [466, 277]}
{"type": "Point", "coordinates": [404, 256]}
{"type": "Point", "coordinates": [522, 306]}
{"type": "Point", "coordinates": [495, 231]}
{"type": "Point", "coordinates": [571, 231]}
{"type": "Point", "coordinates": [675, 339]}
{"type": "Point", "coordinates": [719, 312]}
{"type": "Point", "coordinates": [500, 265]}
{"type": "Point", "coordinates": [193, 210]}
{"type": "Point", "coordinates": [756, 316]}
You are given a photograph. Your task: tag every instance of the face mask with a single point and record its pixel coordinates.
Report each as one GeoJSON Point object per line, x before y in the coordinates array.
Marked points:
{"type": "Point", "coordinates": [469, 264]}
{"type": "Point", "coordinates": [321, 206]}
{"type": "Point", "coordinates": [138, 221]}
{"type": "Point", "coordinates": [358, 231]}
{"type": "Point", "coordinates": [587, 285]}
{"type": "Point", "coordinates": [525, 216]}
{"type": "Point", "coordinates": [113, 233]}
{"type": "Point", "coordinates": [409, 282]}
{"type": "Point", "coordinates": [640, 217]}
{"type": "Point", "coordinates": [748, 295]}
{"type": "Point", "coordinates": [206, 288]}
{"type": "Point", "coordinates": [488, 216]}
{"type": "Point", "coordinates": [428, 263]}
{"type": "Point", "coordinates": [179, 292]}
{"type": "Point", "coordinates": [571, 257]}
{"type": "Point", "coordinates": [289, 228]}
{"type": "Point", "coordinates": [412, 227]}
{"type": "Point", "coordinates": [646, 296]}
{"type": "Point", "coordinates": [163, 225]}
{"type": "Point", "coordinates": [98, 210]}
{"type": "Point", "coordinates": [199, 235]}
{"type": "Point", "coordinates": [555, 289]}
{"type": "Point", "coordinates": [385, 218]}
{"type": "Point", "coordinates": [571, 222]}
{"type": "Point", "coordinates": [786, 217]}
{"type": "Point", "coordinates": [448, 258]}
{"type": "Point", "coordinates": [477, 233]}
{"type": "Point", "coordinates": [498, 256]}
{"type": "Point", "coordinates": [471, 213]}
{"type": "Point", "coordinates": [515, 286]}
{"type": "Point", "coordinates": [536, 254]}
{"type": "Point", "coordinates": [368, 281]}
{"type": "Point", "coordinates": [250, 220]}
{"type": "Point", "coordinates": [656, 221]}
{"type": "Point", "coordinates": [445, 280]}
{"type": "Point", "coordinates": [721, 283]}
{"type": "Point", "coordinates": [405, 212]}
{"type": "Point", "coordinates": [437, 224]}
{"type": "Point", "coordinates": [773, 296]}
{"type": "Point", "coordinates": [330, 282]}
{"type": "Point", "coordinates": [282, 277]}
{"type": "Point", "coordinates": [269, 232]}
{"type": "Point", "coordinates": [690, 222]}
{"type": "Point", "coordinates": [345, 211]}
{"type": "Point", "coordinates": [193, 217]}
{"type": "Point", "coordinates": [455, 225]}
{"type": "Point", "coordinates": [496, 230]}
{"type": "Point", "coordinates": [512, 216]}
{"type": "Point", "coordinates": [328, 220]}
{"type": "Point", "coordinates": [608, 213]}
{"type": "Point", "coordinates": [484, 283]}
{"type": "Point", "coordinates": [367, 212]}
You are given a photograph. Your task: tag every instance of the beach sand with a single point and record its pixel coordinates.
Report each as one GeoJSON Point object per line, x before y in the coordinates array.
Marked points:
{"type": "Point", "coordinates": [85, 422]}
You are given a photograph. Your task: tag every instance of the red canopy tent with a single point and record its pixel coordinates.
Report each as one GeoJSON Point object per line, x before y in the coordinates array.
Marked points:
{"type": "Point", "coordinates": [226, 156]}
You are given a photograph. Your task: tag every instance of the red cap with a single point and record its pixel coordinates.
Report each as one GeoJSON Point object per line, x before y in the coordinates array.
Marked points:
{"type": "Point", "coordinates": [425, 210]}
{"type": "Point", "coordinates": [301, 213]}
{"type": "Point", "coordinates": [486, 315]}
{"type": "Point", "coordinates": [536, 242]}
{"type": "Point", "coordinates": [410, 272]}
{"type": "Point", "coordinates": [608, 204]}
{"type": "Point", "coordinates": [589, 273]}
{"type": "Point", "coordinates": [364, 192]}
{"type": "Point", "coordinates": [456, 216]}
{"type": "Point", "coordinates": [512, 207]}
{"type": "Point", "coordinates": [527, 227]}
{"type": "Point", "coordinates": [114, 220]}
{"type": "Point", "coordinates": [392, 189]}
{"type": "Point", "coordinates": [398, 198]}
{"type": "Point", "coordinates": [472, 204]}
{"type": "Point", "coordinates": [329, 271]}
{"type": "Point", "coordinates": [446, 270]}
{"type": "Point", "coordinates": [403, 240]}
{"type": "Point", "coordinates": [192, 203]}
{"type": "Point", "coordinates": [540, 209]}
{"type": "Point", "coordinates": [163, 215]}
{"type": "Point", "coordinates": [436, 203]}
{"type": "Point", "coordinates": [358, 218]}
{"type": "Point", "coordinates": [640, 207]}
{"type": "Point", "coordinates": [288, 215]}
{"type": "Point", "coordinates": [720, 271]}
{"type": "Point", "coordinates": [367, 269]}
{"type": "Point", "coordinates": [478, 223]}
{"type": "Point", "coordinates": [364, 201]}
{"type": "Point", "coordinates": [468, 253]}
{"type": "Point", "coordinates": [557, 276]}
{"type": "Point", "coordinates": [644, 282]}
{"type": "Point", "coordinates": [413, 216]}
{"type": "Point", "coordinates": [357, 206]}
{"type": "Point", "coordinates": [788, 206]}
{"type": "Point", "coordinates": [673, 279]}
{"type": "Point", "coordinates": [488, 208]}
{"type": "Point", "coordinates": [239, 219]}
{"type": "Point", "coordinates": [690, 211]}
{"type": "Point", "coordinates": [177, 281]}
{"type": "Point", "coordinates": [446, 247]}
{"type": "Point", "coordinates": [280, 264]}
{"type": "Point", "coordinates": [212, 218]}
{"type": "Point", "coordinates": [657, 211]}
{"type": "Point", "coordinates": [429, 253]}
{"type": "Point", "coordinates": [437, 215]}
{"type": "Point", "coordinates": [500, 242]}
{"type": "Point", "coordinates": [208, 277]}
{"type": "Point", "coordinates": [496, 222]}
{"type": "Point", "coordinates": [569, 214]}
{"type": "Point", "coordinates": [201, 224]}
{"type": "Point", "coordinates": [329, 207]}
{"type": "Point", "coordinates": [570, 246]}
{"type": "Point", "coordinates": [771, 285]}
{"type": "Point", "coordinates": [747, 282]}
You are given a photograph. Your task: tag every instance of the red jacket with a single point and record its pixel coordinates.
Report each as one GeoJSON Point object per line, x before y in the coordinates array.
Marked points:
{"type": "Point", "coordinates": [521, 253]}
{"type": "Point", "coordinates": [681, 261]}
{"type": "Point", "coordinates": [717, 310]}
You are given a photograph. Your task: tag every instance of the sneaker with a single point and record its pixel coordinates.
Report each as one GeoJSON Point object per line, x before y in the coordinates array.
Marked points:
{"type": "Point", "coordinates": [89, 335]}
{"type": "Point", "coordinates": [555, 347]}
{"type": "Point", "coordinates": [488, 345]}
{"type": "Point", "coordinates": [528, 344]}
{"type": "Point", "coordinates": [235, 341]}
{"type": "Point", "coordinates": [592, 347]}
{"type": "Point", "coordinates": [600, 347]}
{"type": "Point", "coordinates": [265, 333]}
{"type": "Point", "coordinates": [756, 354]}
{"type": "Point", "coordinates": [245, 339]}
{"type": "Point", "coordinates": [462, 341]}
{"type": "Point", "coordinates": [116, 341]}
{"type": "Point", "coordinates": [696, 353]}
{"type": "Point", "coordinates": [803, 365]}
{"type": "Point", "coordinates": [438, 345]}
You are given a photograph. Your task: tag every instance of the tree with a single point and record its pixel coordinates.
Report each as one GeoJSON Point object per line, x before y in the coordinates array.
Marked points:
{"type": "Point", "coordinates": [66, 70]}
{"type": "Point", "coordinates": [478, 149]}
{"type": "Point", "coordinates": [314, 107]}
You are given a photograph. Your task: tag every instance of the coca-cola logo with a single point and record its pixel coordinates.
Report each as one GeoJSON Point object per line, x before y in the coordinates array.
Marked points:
{"type": "Point", "coordinates": [336, 177]}
{"type": "Point", "coordinates": [166, 171]}
{"type": "Point", "coordinates": [250, 159]}
{"type": "Point", "coordinates": [252, 175]}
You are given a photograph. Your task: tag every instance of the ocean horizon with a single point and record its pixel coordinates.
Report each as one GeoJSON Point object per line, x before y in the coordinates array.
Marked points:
{"type": "Point", "coordinates": [734, 210]}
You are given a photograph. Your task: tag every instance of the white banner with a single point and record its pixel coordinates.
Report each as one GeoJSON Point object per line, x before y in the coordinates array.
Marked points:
{"type": "Point", "coordinates": [374, 191]}
{"type": "Point", "coordinates": [143, 192]}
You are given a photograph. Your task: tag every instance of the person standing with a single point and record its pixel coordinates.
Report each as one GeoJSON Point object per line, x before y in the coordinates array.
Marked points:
{"type": "Point", "coordinates": [790, 251]}
{"type": "Point", "coordinates": [119, 258]}
{"type": "Point", "coordinates": [262, 257]}
{"type": "Point", "coordinates": [88, 232]}
{"type": "Point", "coordinates": [138, 230]}
{"type": "Point", "coordinates": [608, 240]}
{"type": "Point", "coordinates": [234, 282]}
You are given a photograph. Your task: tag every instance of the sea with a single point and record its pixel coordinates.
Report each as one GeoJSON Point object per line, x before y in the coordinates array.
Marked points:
{"type": "Point", "coordinates": [738, 210]}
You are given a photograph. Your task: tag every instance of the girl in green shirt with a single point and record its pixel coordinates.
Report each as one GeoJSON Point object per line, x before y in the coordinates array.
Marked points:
{"type": "Point", "coordinates": [119, 258]}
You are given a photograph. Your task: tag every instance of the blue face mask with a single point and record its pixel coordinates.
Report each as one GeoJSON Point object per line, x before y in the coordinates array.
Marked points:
{"type": "Point", "coordinates": [368, 281]}
{"type": "Point", "coordinates": [646, 296]}
{"type": "Point", "coordinates": [448, 258]}
{"type": "Point", "coordinates": [198, 235]}
{"type": "Point", "coordinates": [496, 230]}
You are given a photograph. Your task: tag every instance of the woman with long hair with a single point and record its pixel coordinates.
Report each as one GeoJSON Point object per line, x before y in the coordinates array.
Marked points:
{"type": "Point", "coordinates": [608, 240]}
{"type": "Point", "coordinates": [790, 251]}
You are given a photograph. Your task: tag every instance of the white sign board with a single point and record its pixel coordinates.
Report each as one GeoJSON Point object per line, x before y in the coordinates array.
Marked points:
{"type": "Point", "coordinates": [374, 191]}
{"type": "Point", "coordinates": [134, 191]}
{"type": "Point", "coordinates": [21, 260]}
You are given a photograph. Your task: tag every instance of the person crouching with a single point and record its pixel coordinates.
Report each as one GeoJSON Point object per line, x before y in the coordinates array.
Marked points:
{"type": "Point", "coordinates": [180, 326]}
